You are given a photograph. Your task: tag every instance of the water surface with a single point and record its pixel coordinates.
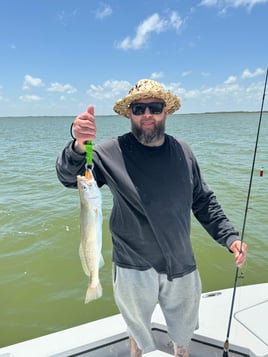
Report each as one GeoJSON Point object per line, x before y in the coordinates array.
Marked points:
{"type": "Point", "coordinates": [42, 282]}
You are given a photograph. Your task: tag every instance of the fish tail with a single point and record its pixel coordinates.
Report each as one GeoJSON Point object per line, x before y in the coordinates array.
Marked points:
{"type": "Point", "coordinates": [93, 293]}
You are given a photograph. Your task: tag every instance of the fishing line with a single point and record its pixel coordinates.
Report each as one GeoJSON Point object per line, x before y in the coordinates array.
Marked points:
{"type": "Point", "coordinates": [226, 343]}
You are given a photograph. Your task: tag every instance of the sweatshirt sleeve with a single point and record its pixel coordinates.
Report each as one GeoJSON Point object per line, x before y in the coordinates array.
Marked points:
{"type": "Point", "coordinates": [69, 164]}
{"type": "Point", "coordinates": [205, 206]}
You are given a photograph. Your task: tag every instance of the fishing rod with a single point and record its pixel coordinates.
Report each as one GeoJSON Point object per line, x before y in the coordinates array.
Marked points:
{"type": "Point", "coordinates": [226, 343]}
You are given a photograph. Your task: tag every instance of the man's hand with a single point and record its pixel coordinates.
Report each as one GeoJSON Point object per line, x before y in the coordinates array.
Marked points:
{"type": "Point", "coordinates": [240, 252]}
{"type": "Point", "coordinates": [84, 128]}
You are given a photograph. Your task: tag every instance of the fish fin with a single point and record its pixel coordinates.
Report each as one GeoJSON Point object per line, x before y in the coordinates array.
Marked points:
{"type": "Point", "coordinates": [93, 293]}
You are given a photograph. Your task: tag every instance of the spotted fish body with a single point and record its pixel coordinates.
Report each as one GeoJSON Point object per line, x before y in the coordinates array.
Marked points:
{"type": "Point", "coordinates": [90, 234]}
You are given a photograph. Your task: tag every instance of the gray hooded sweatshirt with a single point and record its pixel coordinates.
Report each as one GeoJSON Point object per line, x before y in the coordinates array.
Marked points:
{"type": "Point", "coordinates": [154, 191]}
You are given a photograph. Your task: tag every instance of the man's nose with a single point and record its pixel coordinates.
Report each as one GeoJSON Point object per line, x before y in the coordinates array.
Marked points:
{"type": "Point", "coordinates": [147, 111]}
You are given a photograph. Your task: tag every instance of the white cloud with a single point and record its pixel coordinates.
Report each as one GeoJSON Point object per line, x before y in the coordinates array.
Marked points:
{"type": "Point", "coordinates": [30, 82]}
{"type": "Point", "coordinates": [30, 98]}
{"type": "Point", "coordinates": [174, 87]}
{"type": "Point", "coordinates": [62, 88]}
{"type": "Point", "coordinates": [108, 90]}
{"type": "Point", "coordinates": [247, 74]}
{"type": "Point", "coordinates": [230, 80]}
{"type": "Point", "coordinates": [157, 75]}
{"type": "Point", "coordinates": [224, 4]}
{"type": "Point", "coordinates": [208, 2]}
{"type": "Point", "coordinates": [153, 24]}
{"type": "Point", "coordinates": [104, 11]}
{"type": "Point", "coordinates": [186, 73]}
{"type": "Point", "coordinates": [232, 94]}
{"type": "Point", "coordinates": [246, 3]}
{"type": "Point", "coordinates": [175, 20]}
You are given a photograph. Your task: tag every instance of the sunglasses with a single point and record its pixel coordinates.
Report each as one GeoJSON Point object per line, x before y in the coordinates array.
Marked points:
{"type": "Point", "coordinates": [154, 107]}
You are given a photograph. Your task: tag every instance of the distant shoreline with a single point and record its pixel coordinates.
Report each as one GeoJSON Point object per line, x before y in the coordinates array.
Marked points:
{"type": "Point", "coordinates": [114, 115]}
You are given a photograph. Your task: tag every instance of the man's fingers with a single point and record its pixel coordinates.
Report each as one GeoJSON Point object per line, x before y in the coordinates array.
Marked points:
{"type": "Point", "coordinates": [240, 252]}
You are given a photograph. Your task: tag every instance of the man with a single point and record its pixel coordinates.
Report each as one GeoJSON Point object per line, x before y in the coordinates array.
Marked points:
{"type": "Point", "coordinates": [156, 183]}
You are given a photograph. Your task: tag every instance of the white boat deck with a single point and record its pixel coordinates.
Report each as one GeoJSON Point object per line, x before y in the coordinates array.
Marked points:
{"type": "Point", "coordinates": [249, 331]}
{"type": "Point", "coordinates": [107, 337]}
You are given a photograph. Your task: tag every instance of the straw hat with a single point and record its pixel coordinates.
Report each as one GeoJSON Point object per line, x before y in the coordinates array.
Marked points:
{"type": "Point", "coordinates": [147, 88]}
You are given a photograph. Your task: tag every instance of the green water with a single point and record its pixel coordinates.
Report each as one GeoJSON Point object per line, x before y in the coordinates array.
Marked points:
{"type": "Point", "coordinates": [42, 282]}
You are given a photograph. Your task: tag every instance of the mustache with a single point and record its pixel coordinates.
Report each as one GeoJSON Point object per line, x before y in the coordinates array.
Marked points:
{"type": "Point", "coordinates": [151, 120]}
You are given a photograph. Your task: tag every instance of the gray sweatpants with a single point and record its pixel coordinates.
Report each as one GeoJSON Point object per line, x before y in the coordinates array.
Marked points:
{"type": "Point", "coordinates": [137, 293]}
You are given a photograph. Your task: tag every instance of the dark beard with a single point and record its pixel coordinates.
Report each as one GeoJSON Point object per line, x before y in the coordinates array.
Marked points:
{"type": "Point", "coordinates": [149, 136]}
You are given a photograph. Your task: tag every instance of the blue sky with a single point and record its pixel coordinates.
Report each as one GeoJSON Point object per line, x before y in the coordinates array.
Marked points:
{"type": "Point", "coordinates": [57, 56]}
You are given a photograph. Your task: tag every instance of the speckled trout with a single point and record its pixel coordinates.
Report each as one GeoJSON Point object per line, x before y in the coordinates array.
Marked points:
{"type": "Point", "coordinates": [90, 233]}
